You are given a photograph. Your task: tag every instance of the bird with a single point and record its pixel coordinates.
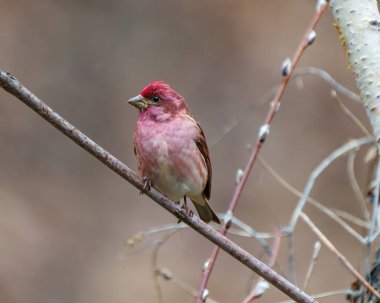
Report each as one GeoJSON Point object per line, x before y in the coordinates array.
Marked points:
{"type": "Point", "coordinates": [171, 149]}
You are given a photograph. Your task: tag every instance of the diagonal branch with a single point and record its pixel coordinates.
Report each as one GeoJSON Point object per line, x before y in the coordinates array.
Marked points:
{"type": "Point", "coordinates": [14, 87]}
{"type": "Point", "coordinates": [349, 146]}
{"type": "Point", "coordinates": [339, 255]}
{"type": "Point", "coordinates": [261, 286]}
{"type": "Point", "coordinates": [287, 72]}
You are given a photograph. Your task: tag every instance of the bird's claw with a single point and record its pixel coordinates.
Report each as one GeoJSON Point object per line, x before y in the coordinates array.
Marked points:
{"type": "Point", "coordinates": [187, 210]}
{"type": "Point", "coordinates": [147, 185]}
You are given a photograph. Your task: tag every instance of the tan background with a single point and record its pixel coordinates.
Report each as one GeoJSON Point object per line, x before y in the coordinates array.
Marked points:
{"type": "Point", "coordinates": [64, 217]}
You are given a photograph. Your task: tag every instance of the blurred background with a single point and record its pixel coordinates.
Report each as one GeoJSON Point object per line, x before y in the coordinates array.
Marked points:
{"type": "Point", "coordinates": [65, 217]}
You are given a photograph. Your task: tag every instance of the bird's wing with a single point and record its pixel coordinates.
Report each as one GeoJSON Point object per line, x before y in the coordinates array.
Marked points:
{"type": "Point", "coordinates": [200, 141]}
{"type": "Point", "coordinates": [137, 154]}
{"type": "Point", "coordinates": [134, 142]}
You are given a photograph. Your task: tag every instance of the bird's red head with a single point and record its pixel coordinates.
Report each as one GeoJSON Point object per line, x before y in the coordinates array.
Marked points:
{"type": "Point", "coordinates": [158, 88]}
{"type": "Point", "coordinates": [158, 101]}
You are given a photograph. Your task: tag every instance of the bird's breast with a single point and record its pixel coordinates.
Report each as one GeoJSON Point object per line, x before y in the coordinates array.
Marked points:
{"type": "Point", "coordinates": [168, 155]}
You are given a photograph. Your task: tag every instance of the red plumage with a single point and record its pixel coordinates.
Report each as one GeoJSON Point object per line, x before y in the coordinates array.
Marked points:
{"type": "Point", "coordinates": [171, 148]}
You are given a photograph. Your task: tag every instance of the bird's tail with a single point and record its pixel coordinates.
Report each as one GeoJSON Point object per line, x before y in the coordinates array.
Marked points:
{"type": "Point", "coordinates": [204, 210]}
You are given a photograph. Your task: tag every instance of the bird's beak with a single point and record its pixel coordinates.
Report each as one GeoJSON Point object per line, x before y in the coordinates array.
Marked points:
{"type": "Point", "coordinates": [138, 102]}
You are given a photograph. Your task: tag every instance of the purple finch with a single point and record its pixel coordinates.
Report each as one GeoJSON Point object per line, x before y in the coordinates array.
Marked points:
{"type": "Point", "coordinates": [171, 148]}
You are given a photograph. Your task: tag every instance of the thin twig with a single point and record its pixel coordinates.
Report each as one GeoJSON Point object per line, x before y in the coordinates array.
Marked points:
{"type": "Point", "coordinates": [244, 231]}
{"type": "Point", "coordinates": [261, 285]}
{"type": "Point", "coordinates": [167, 275]}
{"type": "Point", "coordinates": [374, 220]}
{"type": "Point", "coordinates": [14, 87]}
{"type": "Point", "coordinates": [154, 263]}
{"type": "Point", "coordinates": [305, 197]}
{"type": "Point", "coordinates": [298, 74]}
{"type": "Point", "coordinates": [351, 218]}
{"type": "Point", "coordinates": [310, 70]}
{"type": "Point", "coordinates": [355, 186]}
{"type": "Point", "coordinates": [292, 261]}
{"type": "Point", "coordinates": [248, 229]}
{"type": "Point", "coordinates": [351, 145]}
{"type": "Point", "coordinates": [351, 115]}
{"type": "Point", "coordinates": [325, 294]}
{"type": "Point", "coordinates": [244, 113]}
{"type": "Point", "coordinates": [331, 213]}
{"type": "Point", "coordinates": [313, 261]}
{"type": "Point", "coordinates": [287, 72]}
{"type": "Point", "coordinates": [339, 255]}
{"type": "Point", "coordinates": [138, 237]}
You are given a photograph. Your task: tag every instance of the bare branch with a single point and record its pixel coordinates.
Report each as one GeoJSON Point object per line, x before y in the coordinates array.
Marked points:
{"type": "Point", "coordinates": [313, 261]}
{"type": "Point", "coordinates": [351, 145]}
{"type": "Point", "coordinates": [373, 232]}
{"type": "Point", "coordinates": [13, 86]}
{"type": "Point", "coordinates": [260, 100]}
{"type": "Point", "coordinates": [374, 221]}
{"type": "Point", "coordinates": [351, 218]}
{"type": "Point", "coordinates": [340, 256]}
{"type": "Point", "coordinates": [267, 95]}
{"type": "Point", "coordinates": [310, 70]}
{"type": "Point", "coordinates": [333, 214]}
{"type": "Point", "coordinates": [326, 294]}
{"type": "Point", "coordinates": [244, 230]}
{"type": "Point", "coordinates": [261, 285]}
{"type": "Point", "coordinates": [287, 72]}
{"type": "Point", "coordinates": [355, 186]}
{"type": "Point", "coordinates": [350, 114]}
{"type": "Point", "coordinates": [167, 275]}
{"type": "Point", "coordinates": [154, 263]}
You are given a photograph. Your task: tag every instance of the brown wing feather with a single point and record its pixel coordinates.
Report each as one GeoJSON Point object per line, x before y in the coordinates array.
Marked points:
{"type": "Point", "coordinates": [138, 158]}
{"type": "Point", "coordinates": [202, 146]}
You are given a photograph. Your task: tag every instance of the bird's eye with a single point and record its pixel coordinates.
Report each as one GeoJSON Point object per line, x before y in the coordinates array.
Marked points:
{"type": "Point", "coordinates": [155, 98]}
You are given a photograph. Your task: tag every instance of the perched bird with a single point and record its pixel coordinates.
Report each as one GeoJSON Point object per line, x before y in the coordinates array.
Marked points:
{"type": "Point", "coordinates": [171, 148]}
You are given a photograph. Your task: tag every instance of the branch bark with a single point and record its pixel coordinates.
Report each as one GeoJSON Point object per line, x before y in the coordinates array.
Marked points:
{"type": "Point", "coordinates": [358, 23]}
{"type": "Point", "coordinates": [14, 87]}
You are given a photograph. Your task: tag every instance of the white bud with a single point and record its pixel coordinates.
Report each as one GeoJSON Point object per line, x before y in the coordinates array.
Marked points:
{"type": "Point", "coordinates": [239, 175]}
{"type": "Point", "coordinates": [263, 132]}
{"type": "Point", "coordinates": [286, 66]}
{"type": "Point", "coordinates": [319, 5]}
{"type": "Point", "coordinates": [317, 249]}
{"type": "Point", "coordinates": [262, 287]}
{"type": "Point", "coordinates": [204, 295]}
{"type": "Point", "coordinates": [311, 37]}
{"type": "Point", "coordinates": [206, 264]}
{"type": "Point", "coordinates": [277, 105]}
{"type": "Point", "coordinates": [228, 217]}
{"type": "Point", "coordinates": [165, 273]}
{"type": "Point", "coordinates": [333, 93]}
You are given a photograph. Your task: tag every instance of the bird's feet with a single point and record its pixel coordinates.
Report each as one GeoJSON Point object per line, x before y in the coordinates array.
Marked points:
{"type": "Point", "coordinates": [147, 185]}
{"type": "Point", "coordinates": [186, 209]}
